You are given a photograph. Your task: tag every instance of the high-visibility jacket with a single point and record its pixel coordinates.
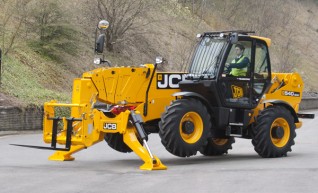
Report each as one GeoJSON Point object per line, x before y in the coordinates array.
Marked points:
{"type": "Point", "coordinates": [239, 71]}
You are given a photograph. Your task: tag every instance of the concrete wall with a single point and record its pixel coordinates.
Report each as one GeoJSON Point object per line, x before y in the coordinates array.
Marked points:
{"type": "Point", "coordinates": [16, 119]}
{"type": "Point", "coordinates": [309, 103]}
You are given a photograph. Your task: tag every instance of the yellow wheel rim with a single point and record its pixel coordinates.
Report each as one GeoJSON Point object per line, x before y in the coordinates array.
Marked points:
{"type": "Point", "coordinates": [219, 141]}
{"type": "Point", "coordinates": [283, 124]}
{"type": "Point", "coordinates": [194, 119]}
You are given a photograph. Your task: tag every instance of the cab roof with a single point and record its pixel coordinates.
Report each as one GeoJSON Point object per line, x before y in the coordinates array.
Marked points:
{"type": "Point", "coordinates": [240, 33]}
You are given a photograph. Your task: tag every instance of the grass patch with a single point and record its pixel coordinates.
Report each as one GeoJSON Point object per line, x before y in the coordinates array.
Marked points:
{"type": "Point", "coordinates": [21, 81]}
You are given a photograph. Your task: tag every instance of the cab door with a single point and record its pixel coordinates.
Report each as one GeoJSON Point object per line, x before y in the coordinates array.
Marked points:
{"type": "Point", "coordinates": [235, 89]}
{"type": "Point", "coordinates": [261, 76]}
{"type": "Point", "coordinates": [245, 90]}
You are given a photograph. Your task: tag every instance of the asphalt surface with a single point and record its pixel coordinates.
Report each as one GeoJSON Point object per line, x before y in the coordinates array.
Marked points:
{"type": "Point", "coordinates": [101, 169]}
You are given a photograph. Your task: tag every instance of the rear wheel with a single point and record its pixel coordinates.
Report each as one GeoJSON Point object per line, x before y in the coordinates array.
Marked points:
{"type": "Point", "coordinates": [274, 132]}
{"type": "Point", "coordinates": [116, 141]}
{"type": "Point", "coordinates": [217, 146]}
{"type": "Point", "coordinates": [184, 127]}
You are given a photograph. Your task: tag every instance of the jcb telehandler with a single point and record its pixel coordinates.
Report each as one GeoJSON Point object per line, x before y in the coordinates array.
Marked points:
{"type": "Point", "coordinates": [200, 110]}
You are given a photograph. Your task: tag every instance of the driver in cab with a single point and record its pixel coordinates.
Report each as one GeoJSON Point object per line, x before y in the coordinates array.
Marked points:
{"type": "Point", "coordinates": [238, 66]}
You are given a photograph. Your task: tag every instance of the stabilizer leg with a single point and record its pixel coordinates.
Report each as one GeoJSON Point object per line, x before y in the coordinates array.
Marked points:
{"type": "Point", "coordinates": [131, 140]}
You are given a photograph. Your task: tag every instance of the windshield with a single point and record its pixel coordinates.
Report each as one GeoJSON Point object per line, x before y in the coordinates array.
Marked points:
{"type": "Point", "coordinates": [207, 57]}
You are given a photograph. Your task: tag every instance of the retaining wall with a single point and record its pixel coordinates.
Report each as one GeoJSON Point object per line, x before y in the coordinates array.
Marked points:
{"type": "Point", "coordinates": [16, 119]}
{"type": "Point", "coordinates": [309, 103]}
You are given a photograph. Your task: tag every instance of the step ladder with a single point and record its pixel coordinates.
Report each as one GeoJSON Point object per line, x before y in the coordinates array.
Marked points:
{"type": "Point", "coordinates": [234, 130]}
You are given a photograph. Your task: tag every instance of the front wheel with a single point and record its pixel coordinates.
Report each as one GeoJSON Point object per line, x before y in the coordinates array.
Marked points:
{"type": "Point", "coordinates": [274, 132]}
{"type": "Point", "coordinates": [185, 127]}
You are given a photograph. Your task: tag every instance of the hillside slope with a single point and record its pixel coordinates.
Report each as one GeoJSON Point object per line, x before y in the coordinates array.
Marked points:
{"type": "Point", "coordinates": [28, 77]}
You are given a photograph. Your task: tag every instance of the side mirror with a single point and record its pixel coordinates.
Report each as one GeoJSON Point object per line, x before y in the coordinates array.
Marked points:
{"type": "Point", "coordinates": [100, 41]}
{"type": "Point", "coordinates": [103, 25]}
{"type": "Point", "coordinates": [99, 45]}
{"type": "Point", "coordinates": [234, 38]}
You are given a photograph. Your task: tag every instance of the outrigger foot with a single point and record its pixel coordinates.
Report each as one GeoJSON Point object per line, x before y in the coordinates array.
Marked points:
{"type": "Point", "coordinates": [153, 165]}
{"type": "Point", "coordinates": [66, 155]}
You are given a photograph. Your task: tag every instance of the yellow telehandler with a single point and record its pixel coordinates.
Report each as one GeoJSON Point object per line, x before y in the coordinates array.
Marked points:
{"type": "Point", "coordinates": [203, 109]}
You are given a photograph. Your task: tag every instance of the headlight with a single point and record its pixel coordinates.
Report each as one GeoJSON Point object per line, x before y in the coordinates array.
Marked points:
{"type": "Point", "coordinates": [158, 60]}
{"type": "Point", "coordinates": [97, 60]}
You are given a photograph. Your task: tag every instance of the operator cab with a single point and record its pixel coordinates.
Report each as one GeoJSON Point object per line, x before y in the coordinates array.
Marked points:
{"type": "Point", "coordinates": [229, 69]}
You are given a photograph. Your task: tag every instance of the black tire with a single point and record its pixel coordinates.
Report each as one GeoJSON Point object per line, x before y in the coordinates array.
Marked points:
{"type": "Point", "coordinates": [185, 127]}
{"type": "Point", "coordinates": [274, 132]}
{"type": "Point", "coordinates": [217, 146]}
{"type": "Point", "coordinates": [116, 141]}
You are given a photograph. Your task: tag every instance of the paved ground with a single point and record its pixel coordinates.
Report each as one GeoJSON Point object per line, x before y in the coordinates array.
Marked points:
{"type": "Point", "coordinates": [100, 169]}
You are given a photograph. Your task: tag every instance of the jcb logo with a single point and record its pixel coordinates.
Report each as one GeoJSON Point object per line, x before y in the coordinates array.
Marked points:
{"type": "Point", "coordinates": [237, 91]}
{"type": "Point", "coordinates": [169, 80]}
{"type": "Point", "coordinates": [110, 126]}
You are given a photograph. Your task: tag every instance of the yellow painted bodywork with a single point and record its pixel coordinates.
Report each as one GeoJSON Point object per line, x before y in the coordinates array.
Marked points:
{"type": "Point", "coordinates": [287, 94]}
{"type": "Point", "coordinates": [113, 86]}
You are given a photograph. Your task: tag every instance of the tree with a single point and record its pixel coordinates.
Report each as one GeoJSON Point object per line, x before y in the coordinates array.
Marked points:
{"type": "Point", "coordinates": [12, 19]}
{"type": "Point", "coordinates": [54, 34]}
{"type": "Point", "coordinates": [45, 18]}
{"type": "Point", "coordinates": [123, 16]}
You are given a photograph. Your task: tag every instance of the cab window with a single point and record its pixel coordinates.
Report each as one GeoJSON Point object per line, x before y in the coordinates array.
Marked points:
{"type": "Point", "coordinates": [261, 69]}
{"type": "Point", "coordinates": [238, 60]}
